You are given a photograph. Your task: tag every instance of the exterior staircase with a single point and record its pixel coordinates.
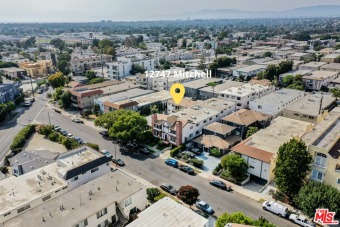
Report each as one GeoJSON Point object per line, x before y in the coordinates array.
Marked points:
{"type": "Point", "coordinates": [122, 220]}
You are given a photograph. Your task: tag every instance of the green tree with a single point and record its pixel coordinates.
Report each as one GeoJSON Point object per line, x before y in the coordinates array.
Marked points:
{"type": "Point", "coordinates": [58, 92]}
{"type": "Point", "coordinates": [292, 166]}
{"type": "Point", "coordinates": [267, 54]}
{"type": "Point", "coordinates": [57, 80]}
{"type": "Point", "coordinates": [63, 66]}
{"type": "Point", "coordinates": [104, 43]}
{"type": "Point", "coordinates": [154, 109]}
{"type": "Point", "coordinates": [65, 100]}
{"type": "Point", "coordinates": [336, 92]}
{"type": "Point", "coordinates": [137, 69]}
{"type": "Point", "coordinates": [215, 152]}
{"type": "Point", "coordinates": [152, 193]}
{"type": "Point", "coordinates": [240, 218]}
{"type": "Point", "coordinates": [184, 43]}
{"type": "Point", "coordinates": [95, 43]}
{"type": "Point", "coordinates": [90, 75]}
{"type": "Point", "coordinates": [316, 195]}
{"type": "Point", "coordinates": [251, 130]}
{"type": "Point", "coordinates": [58, 43]}
{"type": "Point", "coordinates": [96, 80]}
{"type": "Point", "coordinates": [123, 124]}
{"type": "Point", "coordinates": [188, 194]}
{"type": "Point", "coordinates": [235, 166]}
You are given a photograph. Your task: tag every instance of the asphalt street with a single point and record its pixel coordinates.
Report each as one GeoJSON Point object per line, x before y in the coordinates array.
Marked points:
{"type": "Point", "coordinates": [9, 130]}
{"type": "Point", "coordinates": [155, 171]}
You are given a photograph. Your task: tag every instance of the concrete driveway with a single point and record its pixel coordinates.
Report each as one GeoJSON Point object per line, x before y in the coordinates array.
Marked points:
{"type": "Point", "coordinates": [210, 162]}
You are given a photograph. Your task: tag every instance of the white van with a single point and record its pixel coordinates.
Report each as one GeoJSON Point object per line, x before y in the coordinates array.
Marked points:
{"type": "Point", "coordinates": [275, 208]}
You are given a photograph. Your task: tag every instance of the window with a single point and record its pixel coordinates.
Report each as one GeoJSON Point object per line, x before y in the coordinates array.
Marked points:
{"type": "Point", "coordinates": [252, 167]}
{"type": "Point", "coordinates": [320, 160]}
{"type": "Point", "coordinates": [210, 119]}
{"type": "Point", "coordinates": [238, 98]}
{"type": "Point", "coordinates": [94, 170]}
{"type": "Point", "coordinates": [24, 208]}
{"type": "Point", "coordinates": [317, 175]}
{"type": "Point", "coordinates": [338, 180]}
{"type": "Point", "coordinates": [205, 121]}
{"type": "Point", "coordinates": [74, 179]}
{"type": "Point", "coordinates": [190, 135]}
{"type": "Point", "coordinates": [128, 202]}
{"type": "Point", "coordinates": [104, 223]}
{"type": "Point", "coordinates": [191, 127]}
{"type": "Point", "coordinates": [197, 132]}
{"type": "Point", "coordinates": [6, 214]}
{"type": "Point", "coordinates": [46, 198]}
{"type": "Point", "coordinates": [101, 213]}
{"type": "Point", "coordinates": [82, 223]}
{"type": "Point", "coordinates": [259, 106]}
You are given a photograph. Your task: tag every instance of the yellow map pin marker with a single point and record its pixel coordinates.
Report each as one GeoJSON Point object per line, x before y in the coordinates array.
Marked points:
{"type": "Point", "coordinates": [177, 92]}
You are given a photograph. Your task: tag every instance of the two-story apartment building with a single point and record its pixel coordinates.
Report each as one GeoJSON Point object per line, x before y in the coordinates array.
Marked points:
{"type": "Point", "coordinates": [311, 108]}
{"type": "Point", "coordinates": [260, 150]}
{"type": "Point", "coordinates": [122, 67]}
{"type": "Point", "coordinates": [324, 145]}
{"type": "Point", "coordinates": [192, 88]}
{"type": "Point", "coordinates": [312, 66]}
{"type": "Point", "coordinates": [80, 63]}
{"type": "Point", "coordinates": [13, 72]}
{"type": "Point", "coordinates": [37, 69]}
{"type": "Point", "coordinates": [274, 102]}
{"type": "Point", "coordinates": [242, 95]}
{"type": "Point", "coordinates": [319, 79]}
{"type": "Point", "coordinates": [249, 71]}
{"type": "Point", "coordinates": [183, 126]}
{"type": "Point", "coordinates": [243, 119]}
{"type": "Point", "coordinates": [79, 190]}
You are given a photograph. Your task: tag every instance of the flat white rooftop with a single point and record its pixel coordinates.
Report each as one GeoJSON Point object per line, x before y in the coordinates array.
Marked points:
{"type": "Point", "coordinates": [168, 213]}
{"type": "Point", "coordinates": [245, 90]}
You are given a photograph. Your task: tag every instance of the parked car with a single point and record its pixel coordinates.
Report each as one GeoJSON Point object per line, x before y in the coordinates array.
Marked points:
{"type": "Point", "coordinates": [145, 151]}
{"type": "Point", "coordinates": [190, 154]}
{"type": "Point", "coordinates": [69, 135]}
{"type": "Point", "coordinates": [106, 153]}
{"type": "Point", "coordinates": [40, 91]}
{"type": "Point", "coordinates": [118, 162]}
{"type": "Point", "coordinates": [27, 104]}
{"type": "Point", "coordinates": [171, 162]}
{"type": "Point", "coordinates": [56, 128]}
{"type": "Point", "coordinates": [168, 188]}
{"type": "Point", "coordinates": [196, 151]}
{"type": "Point", "coordinates": [77, 120]}
{"type": "Point", "coordinates": [275, 208]}
{"type": "Point", "coordinates": [63, 132]}
{"type": "Point", "coordinates": [301, 220]}
{"type": "Point", "coordinates": [204, 207]}
{"type": "Point", "coordinates": [186, 169]}
{"type": "Point", "coordinates": [57, 111]}
{"type": "Point", "coordinates": [104, 133]}
{"type": "Point", "coordinates": [220, 184]}
{"type": "Point", "coordinates": [79, 140]}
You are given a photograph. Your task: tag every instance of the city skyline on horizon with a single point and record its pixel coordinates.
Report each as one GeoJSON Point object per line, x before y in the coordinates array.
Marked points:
{"type": "Point", "coordinates": [127, 10]}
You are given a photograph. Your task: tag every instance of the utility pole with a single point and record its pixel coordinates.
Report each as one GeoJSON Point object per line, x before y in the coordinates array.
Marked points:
{"type": "Point", "coordinates": [49, 119]}
{"type": "Point", "coordinates": [31, 85]}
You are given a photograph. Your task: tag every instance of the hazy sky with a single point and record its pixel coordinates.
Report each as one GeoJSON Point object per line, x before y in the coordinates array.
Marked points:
{"type": "Point", "coordinates": [95, 10]}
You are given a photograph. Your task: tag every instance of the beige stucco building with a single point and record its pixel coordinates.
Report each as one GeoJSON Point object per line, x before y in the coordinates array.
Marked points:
{"type": "Point", "coordinates": [37, 69]}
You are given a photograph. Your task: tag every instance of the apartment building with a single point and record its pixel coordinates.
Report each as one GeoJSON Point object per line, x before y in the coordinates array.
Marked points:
{"type": "Point", "coordinates": [319, 79]}
{"type": "Point", "coordinates": [310, 108]}
{"type": "Point", "coordinates": [154, 46]}
{"type": "Point", "coordinates": [113, 198]}
{"type": "Point", "coordinates": [242, 95]}
{"type": "Point", "coordinates": [249, 71]}
{"type": "Point", "coordinates": [192, 88]}
{"type": "Point", "coordinates": [83, 97]}
{"type": "Point", "coordinates": [299, 56]}
{"type": "Point", "coordinates": [312, 66]}
{"type": "Point", "coordinates": [324, 145]}
{"type": "Point", "coordinates": [294, 73]}
{"type": "Point", "coordinates": [173, 214]}
{"type": "Point", "coordinates": [37, 69]}
{"type": "Point", "coordinates": [185, 125]}
{"type": "Point", "coordinates": [122, 67]}
{"type": "Point", "coordinates": [332, 67]}
{"type": "Point", "coordinates": [274, 102]}
{"type": "Point", "coordinates": [243, 119]}
{"type": "Point", "coordinates": [82, 62]}
{"type": "Point", "coordinates": [8, 91]}
{"type": "Point", "coordinates": [214, 91]}
{"type": "Point", "coordinates": [260, 150]}
{"type": "Point", "coordinates": [330, 58]}
{"type": "Point", "coordinates": [14, 72]}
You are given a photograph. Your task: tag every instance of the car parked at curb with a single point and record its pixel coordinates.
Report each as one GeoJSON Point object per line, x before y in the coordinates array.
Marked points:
{"type": "Point", "coordinates": [56, 128]}
{"type": "Point", "coordinates": [145, 151]}
{"type": "Point", "coordinates": [77, 120]}
{"type": "Point", "coordinates": [118, 162]}
{"type": "Point", "coordinates": [171, 162]}
{"type": "Point", "coordinates": [63, 132]}
{"type": "Point", "coordinates": [220, 184]}
{"type": "Point", "coordinates": [301, 220]}
{"type": "Point", "coordinates": [275, 208]}
{"type": "Point", "coordinates": [204, 207]}
{"type": "Point", "coordinates": [69, 135]}
{"type": "Point", "coordinates": [168, 188]}
{"type": "Point", "coordinates": [187, 169]}
{"type": "Point", "coordinates": [106, 153]}
{"type": "Point", "coordinates": [104, 133]}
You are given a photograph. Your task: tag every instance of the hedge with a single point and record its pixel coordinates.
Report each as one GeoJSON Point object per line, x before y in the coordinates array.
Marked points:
{"type": "Point", "coordinates": [174, 152]}
{"type": "Point", "coordinates": [196, 162]}
{"type": "Point", "coordinates": [20, 139]}
{"type": "Point", "coordinates": [93, 146]}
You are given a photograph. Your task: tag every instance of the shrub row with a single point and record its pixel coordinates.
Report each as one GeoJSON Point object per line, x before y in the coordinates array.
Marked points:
{"type": "Point", "coordinates": [20, 139]}
{"type": "Point", "coordinates": [174, 152]}
{"type": "Point", "coordinates": [196, 162]}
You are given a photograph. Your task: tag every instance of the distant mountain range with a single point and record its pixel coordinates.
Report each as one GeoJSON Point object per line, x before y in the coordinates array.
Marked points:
{"type": "Point", "coordinates": [310, 11]}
